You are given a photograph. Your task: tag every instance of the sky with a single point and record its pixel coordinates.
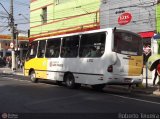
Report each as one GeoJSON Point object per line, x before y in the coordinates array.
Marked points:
{"type": "Point", "coordinates": [21, 15]}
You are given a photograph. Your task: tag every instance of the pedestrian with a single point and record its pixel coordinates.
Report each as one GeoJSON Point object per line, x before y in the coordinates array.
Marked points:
{"type": "Point", "coordinates": [7, 61]}
{"type": "Point", "coordinates": [155, 77]}
{"type": "Point", "coordinates": [157, 72]}
{"type": "Point", "coordinates": [10, 62]}
{"type": "Point", "coordinates": [19, 63]}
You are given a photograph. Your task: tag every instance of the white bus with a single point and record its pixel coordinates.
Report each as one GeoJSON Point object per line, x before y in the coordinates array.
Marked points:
{"type": "Point", "coordinates": [96, 58]}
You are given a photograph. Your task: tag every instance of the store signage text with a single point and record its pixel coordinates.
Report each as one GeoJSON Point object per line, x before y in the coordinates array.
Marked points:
{"type": "Point", "coordinates": [124, 18]}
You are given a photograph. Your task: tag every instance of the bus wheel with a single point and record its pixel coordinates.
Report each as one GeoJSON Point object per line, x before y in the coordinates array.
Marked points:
{"type": "Point", "coordinates": [33, 77]}
{"type": "Point", "coordinates": [98, 87]}
{"type": "Point", "coordinates": [69, 81]}
{"type": "Point", "coordinates": [59, 83]}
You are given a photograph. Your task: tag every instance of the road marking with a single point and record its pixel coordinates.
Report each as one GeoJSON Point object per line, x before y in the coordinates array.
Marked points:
{"type": "Point", "coordinates": [135, 99]}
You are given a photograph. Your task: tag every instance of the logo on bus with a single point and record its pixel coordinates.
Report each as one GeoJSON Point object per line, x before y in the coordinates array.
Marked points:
{"type": "Point", "coordinates": [124, 18]}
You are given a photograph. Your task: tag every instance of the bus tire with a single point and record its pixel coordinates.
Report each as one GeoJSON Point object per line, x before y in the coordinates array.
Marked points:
{"type": "Point", "coordinates": [98, 87]}
{"type": "Point", "coordinates": [33, 77]}
{"type": "Point", "coordinates": [70, 81]}
{"type": "Point", "coordinates": [59, 83]}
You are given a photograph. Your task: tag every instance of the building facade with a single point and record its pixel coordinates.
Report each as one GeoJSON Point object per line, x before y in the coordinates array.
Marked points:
{"type": "Point", "coordinates": [135, 15]}
{"type": "Point", "coordinates": [53, 17]}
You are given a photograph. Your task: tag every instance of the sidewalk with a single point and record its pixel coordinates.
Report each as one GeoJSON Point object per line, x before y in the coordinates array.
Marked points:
{"type": "Point", "coordinates": [120, 88]}
{"type": "Point", "coordinates": [6, 70]}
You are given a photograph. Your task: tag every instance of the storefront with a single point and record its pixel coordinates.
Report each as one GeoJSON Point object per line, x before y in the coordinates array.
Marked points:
{"type": "Point", "coordinates": [5, 47]}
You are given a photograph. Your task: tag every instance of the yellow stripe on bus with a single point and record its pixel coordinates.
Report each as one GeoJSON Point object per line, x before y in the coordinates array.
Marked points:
{"type": "Point", "coordinates": [39, 66]}
{"type": "Point", "coordinates": [135, 65]}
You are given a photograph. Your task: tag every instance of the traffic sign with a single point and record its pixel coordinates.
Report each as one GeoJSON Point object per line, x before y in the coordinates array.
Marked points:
{"type": "Point", "coordinates": [11, 45]}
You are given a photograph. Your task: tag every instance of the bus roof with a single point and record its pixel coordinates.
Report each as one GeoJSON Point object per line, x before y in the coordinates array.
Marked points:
{"type": "Point", "coordinates": [78, 33]}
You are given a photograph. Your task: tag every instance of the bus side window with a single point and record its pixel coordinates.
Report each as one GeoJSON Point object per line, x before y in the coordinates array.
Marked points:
{"type": "Point", "coordinates": [70, 46]}
{"type": "Point", "coordinates": [32, 50]}
{"type": "Point", "coordinates": [100, 51]}
{"type": "Point", "coordinates": [84, 51]}
{"type": "Point", "coordinates": [53, 48]}
{"type": "Point", "coordinates": [92, 52]}
{"type": "Point", "coordinates": [41, 49]}
{"type": "Point", "coordinates": [92, 45]}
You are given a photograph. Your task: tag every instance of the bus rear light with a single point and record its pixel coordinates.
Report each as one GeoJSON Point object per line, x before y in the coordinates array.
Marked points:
{"type": "Point", "coordinates": [110, 68]}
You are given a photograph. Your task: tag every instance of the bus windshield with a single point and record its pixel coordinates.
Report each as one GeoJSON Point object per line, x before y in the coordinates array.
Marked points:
{"type": "Point", "coordinates": [127, 43]}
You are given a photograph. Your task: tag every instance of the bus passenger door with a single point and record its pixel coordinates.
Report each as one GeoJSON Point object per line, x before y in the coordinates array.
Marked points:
{"type": "Point", "coordinates": [41, 61]}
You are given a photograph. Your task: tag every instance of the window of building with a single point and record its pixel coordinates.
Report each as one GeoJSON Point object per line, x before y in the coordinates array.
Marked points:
{"type": "Point", "coordinates": [57, 2]}
{"type": "Point", "coordinates": [92, 45]}
{"type": "Point", "coordinates": [53, 48]}
{"type": "Point", "coordinates": [44, 15]}
{"type": "Point", "coordinates": [41, 49]}
{"type": "Point", "coordinates": [70, 46]}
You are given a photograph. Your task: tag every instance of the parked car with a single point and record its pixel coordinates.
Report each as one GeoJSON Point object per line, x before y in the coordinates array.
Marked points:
{"type": "Point", "coordinates": [2, 63]}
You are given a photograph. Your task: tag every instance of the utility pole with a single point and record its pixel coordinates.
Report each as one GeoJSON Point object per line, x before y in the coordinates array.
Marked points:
{"type": "Point", "coordinates": [12, 34]}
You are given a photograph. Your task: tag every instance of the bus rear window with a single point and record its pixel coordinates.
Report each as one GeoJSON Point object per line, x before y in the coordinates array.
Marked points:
{"type": "Point", "coordinates": [127, 43]}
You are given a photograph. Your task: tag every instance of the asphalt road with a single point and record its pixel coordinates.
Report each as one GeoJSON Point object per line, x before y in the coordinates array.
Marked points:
{"type": "Point", "coordinates": [20, 96]}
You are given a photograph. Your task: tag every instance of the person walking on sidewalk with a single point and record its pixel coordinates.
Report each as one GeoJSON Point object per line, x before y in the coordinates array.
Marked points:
{"type": "Point", "coordinates": [10, 62]}
{"type": "Point", "coordinates": [157, 73]}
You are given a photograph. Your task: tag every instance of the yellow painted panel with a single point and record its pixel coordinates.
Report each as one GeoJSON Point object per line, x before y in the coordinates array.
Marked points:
{"type": "Point", "coordinates": [41, 74]}
{"type": "Point", "coordinates": [39, 65]}
{"type": "Point", "coordinates": [135, 65]}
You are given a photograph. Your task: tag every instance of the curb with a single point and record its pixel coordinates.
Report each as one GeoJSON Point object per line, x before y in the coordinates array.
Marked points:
{"type": "Point", "coordinates": [10, 73]}
{"type": "Point", "coordinates": [142, 90]}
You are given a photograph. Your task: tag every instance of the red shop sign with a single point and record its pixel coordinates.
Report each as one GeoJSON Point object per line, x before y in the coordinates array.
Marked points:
{"type": "Point", "coordinates": [124, 18]}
